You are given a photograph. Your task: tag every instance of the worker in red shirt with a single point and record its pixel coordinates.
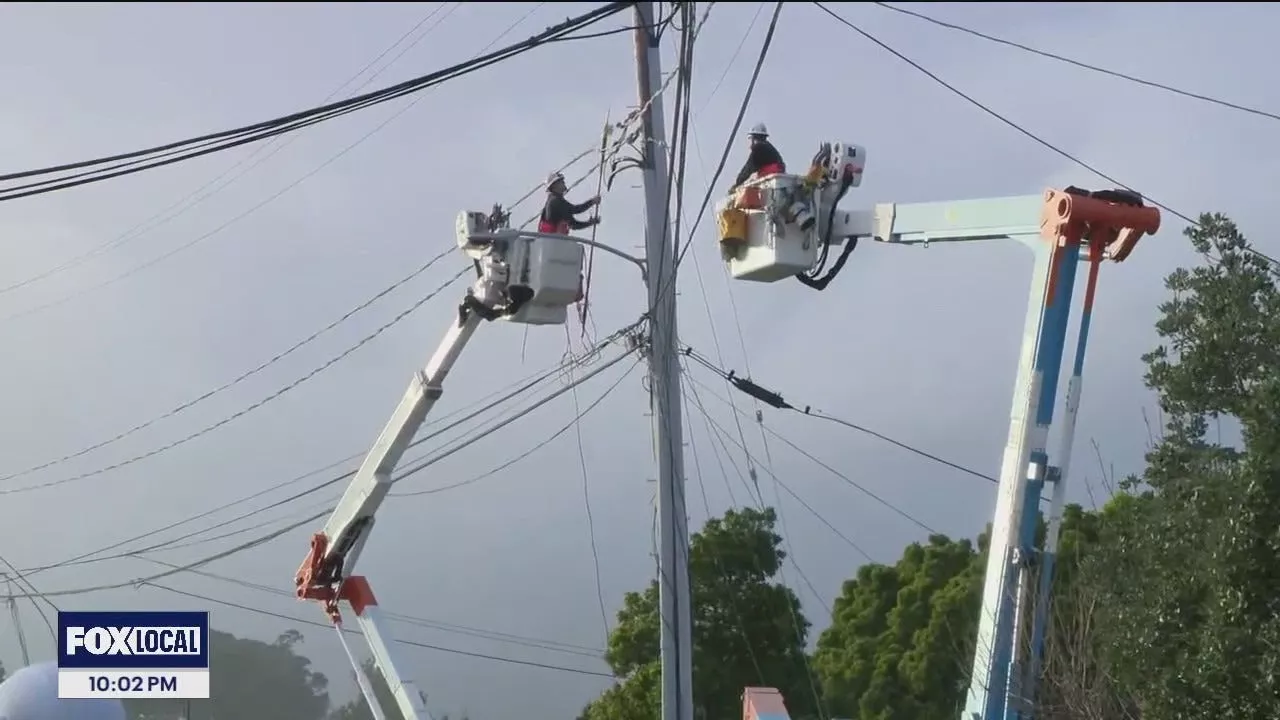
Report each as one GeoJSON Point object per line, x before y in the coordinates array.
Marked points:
{"type": "Point", "coordinates": [764, 158]}
{"type": "Point", "coordinates": [558, 214]}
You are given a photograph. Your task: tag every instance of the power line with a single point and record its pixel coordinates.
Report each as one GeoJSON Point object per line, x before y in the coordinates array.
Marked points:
{"type": "Point", "coordinates": [1019, 128]}
{"type": "Point", "coordinates": [249, 408]}
{"type": "Point", "coordinates": [169, 153]}
{"type": "Point", "coordinates": [411, 643]}
{"type": "Point", "coordinates": [418, 466]}
{"type": "Point", "coordinates": [199, 195]}
{"type": "Point", "coordinates": [236, 380]}
{"type": "Point", "coordinates": [261, 204]}
{"type": "Point", "coordinates": [775, 400]}
{"type": "Point", "coordinates": [845, 478]}
{"type": "Point", "coordinates": [724, 435]}
{"type": "Point", "coordinates": [517, 203]}
{"type": "Point", "coordinates": [1081, 64]}
{"type": "Point", "coordinates": [465, 630]}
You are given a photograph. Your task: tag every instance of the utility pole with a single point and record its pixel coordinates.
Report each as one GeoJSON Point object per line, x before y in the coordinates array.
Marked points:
{"type": "Point", "coordinates": [664, 374]}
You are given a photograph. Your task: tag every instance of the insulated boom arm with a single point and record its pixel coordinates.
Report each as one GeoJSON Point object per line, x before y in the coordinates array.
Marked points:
{"type": "Point", "coordinates": [339, 544]}
{"type": "Point", "coordinates": [522, 278]}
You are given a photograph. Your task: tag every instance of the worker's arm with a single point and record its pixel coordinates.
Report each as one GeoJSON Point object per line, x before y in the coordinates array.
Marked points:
{"type": "Point", "coordinates": [580, 207]}
{"type": "Point", "coordinates": [559, 209]}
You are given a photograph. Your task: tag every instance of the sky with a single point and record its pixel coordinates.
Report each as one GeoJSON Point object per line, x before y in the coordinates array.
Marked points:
{"type": "Point", "coordinates": [245, 253]}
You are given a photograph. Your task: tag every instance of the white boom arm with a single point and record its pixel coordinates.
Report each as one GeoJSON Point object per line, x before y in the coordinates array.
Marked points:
{"type": "Point", "coordinates": [528, 279]}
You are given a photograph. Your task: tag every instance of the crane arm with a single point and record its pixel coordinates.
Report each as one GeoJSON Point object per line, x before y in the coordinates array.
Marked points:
{"type": "Point", "coordinates": [524, 278]}
{"type": "Point", "coordinates": [335, 550]}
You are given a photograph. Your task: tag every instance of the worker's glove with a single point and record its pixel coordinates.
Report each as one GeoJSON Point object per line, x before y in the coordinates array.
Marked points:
{"type": "Point", "coordinates": [595, 220]}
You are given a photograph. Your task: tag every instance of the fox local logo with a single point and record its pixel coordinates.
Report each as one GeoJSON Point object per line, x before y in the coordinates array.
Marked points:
{"type": "Point", "coordinates": [151, 640]}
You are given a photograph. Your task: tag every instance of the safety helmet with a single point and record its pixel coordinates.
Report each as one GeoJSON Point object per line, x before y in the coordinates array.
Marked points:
{"type": "Point", "coordinates": [759, 130]}
{"type": "Point", "coordinates": [554, 178]}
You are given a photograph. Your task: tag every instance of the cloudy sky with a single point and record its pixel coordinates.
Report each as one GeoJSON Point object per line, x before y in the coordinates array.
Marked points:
{"type": "Point", "coordinates": [217, 265]}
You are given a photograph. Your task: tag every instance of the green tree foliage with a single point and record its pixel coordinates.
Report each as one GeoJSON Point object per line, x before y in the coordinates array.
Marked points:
{"type": "Point", "coordinates": [748, 628]}
{"type": "Point", "coordinates": [250, 680]}
{"type": "Point", "coordinates": [1187, 574]}
{"type": "Point", "coordinates": [902, 635]}
{"type": "Point", "coordinates": [901, 640]}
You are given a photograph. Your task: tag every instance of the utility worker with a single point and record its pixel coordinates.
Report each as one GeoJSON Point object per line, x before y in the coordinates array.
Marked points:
{"type": "Point", "coordinates": [558, 213]}
{"type": "Point", "coordinates": [764, 159]}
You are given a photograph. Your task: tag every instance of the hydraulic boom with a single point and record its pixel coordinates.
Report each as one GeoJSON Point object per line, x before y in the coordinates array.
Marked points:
{"type": "Point", "coordinates": [783, 226]}
{"type": "Point", "coordinates": [523, 278]}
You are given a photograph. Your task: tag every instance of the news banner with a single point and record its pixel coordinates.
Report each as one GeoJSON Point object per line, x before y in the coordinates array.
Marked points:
{"type": "Point", "coordinates": [133, 655]}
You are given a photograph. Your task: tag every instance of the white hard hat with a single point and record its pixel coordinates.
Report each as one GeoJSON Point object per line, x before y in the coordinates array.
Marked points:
{"type": "Point", "coordinates": [554, 178]}
{"type": "Point", "coordinates": [759, 130]}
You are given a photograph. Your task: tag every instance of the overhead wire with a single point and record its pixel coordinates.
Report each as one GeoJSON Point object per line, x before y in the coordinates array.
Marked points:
{"type": "Point", "coordinates": [85, 290]}
{"type": "Point", "coordinates": [275, 145]}
{"type": "Point", "coordinates": [576, 424]}
{"type": "Point", "coordinates": [502, 397]}
{"type": "Point", "coordinates": [1080, 63]}
{"type": "Point", "coordinates": [274, 359]}
{"type": "Point", "coordinates": [726, 435]}
{"type": "Point", "coordinates": [1019, 128]}
{"type": "Point", "coordinates": [261, 402]}
{"type": "Point", "coordinates": [776, 400]}
{"type": "Point", "coordinates": [401, 641]}
{"type": "Point", "coordinates": [413, 469]}
{"type": "Point", "coordinates": [160, 155]}
{"type": "Point", "coordinates": [621, 125]}
{"type": "Point", "coordinates": [37, 598]}
{"type": "Point", "coordinates": [842, 476]}
{"type": "Point", "coordinates": [798, 626]}
{"type": "Point", "coordinates": [427, 623]}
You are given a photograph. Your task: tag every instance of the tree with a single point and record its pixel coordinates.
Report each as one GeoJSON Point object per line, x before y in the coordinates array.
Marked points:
{"type": "Point", "coordinates": [1199, 635]}
{"type": "Point", "coordinates": [901, 636]}
{"type": "Point", "coordinates": [748, 629]}
{"type": "Point", "coordinates": [250, 680]}
{"type": "Point", "coordinates": [901, 640]}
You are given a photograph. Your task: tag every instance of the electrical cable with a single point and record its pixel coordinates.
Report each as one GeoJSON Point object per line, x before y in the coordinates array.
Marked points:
{"type": "Point", "coordinates": [845, 478]}
{"type": "Point", "coordinates": [1019, 128]}
{"type": "Point", "coordinates": [519, 389]}
{"type": "Point", "coordinates": [417, 467]}
{"type": "Point", "coordinates": [410, 643]}
{"type": "Point", "coordinates": [715, 557]}
{"type": "Point", "coordinates": [733, 134]}
{"type": "Point", "coordinates": [576, 424]}
{"type": "Point", "coordinates": [199, 195]}
{"type": "Point", "coordinates": [464, 630]}
{"type": "Point", "coordinates": [1081, 64]}
{"type": "Point", "coordinates": [136, 161]}
{"type": "Point", "coordinates": [236, 380]}
{"type": "Point", "coordinates": [420, 465]}
{"type": "Point", "coordinates": [23, 582]}
{"type": "Point", "coordinates": [798, 626]}
{"type": "Point", "coordinates": [776, 401]}
{"type": "Point", "coordinates": [724, 434]}
{"type": "Point", "coordinates": [84, 290]}
{"type": "Point", "coordinates": [249, 408]}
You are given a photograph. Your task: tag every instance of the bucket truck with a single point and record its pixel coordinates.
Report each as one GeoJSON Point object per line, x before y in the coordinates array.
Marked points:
{"type": "Point", "coordinates": [783, 226]}
{"type": "Point", "coordinates": [521, 277]}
